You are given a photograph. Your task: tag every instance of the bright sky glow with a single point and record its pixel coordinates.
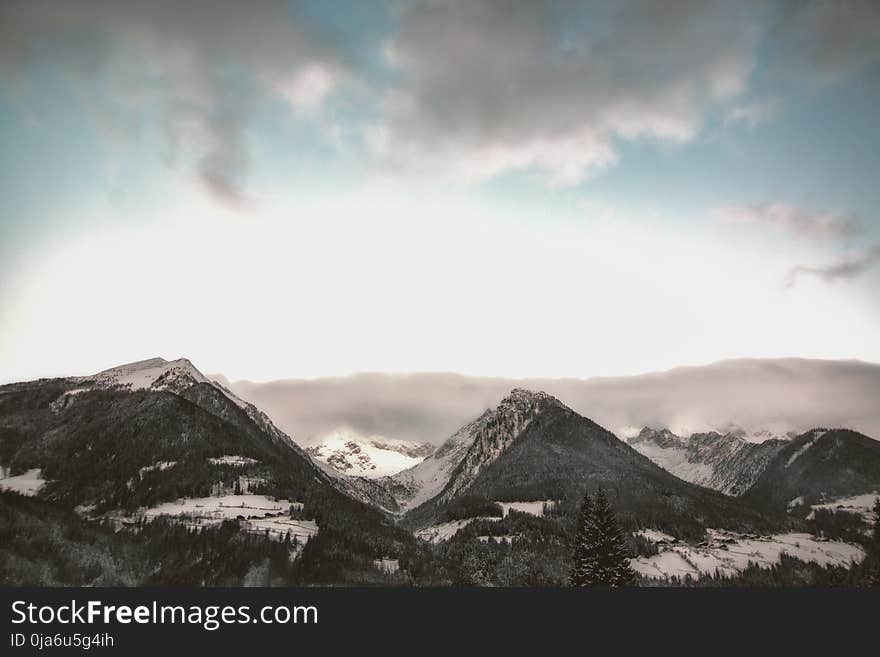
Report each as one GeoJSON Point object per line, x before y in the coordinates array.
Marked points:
{"type": "Point", "coordinates": [372, 206]}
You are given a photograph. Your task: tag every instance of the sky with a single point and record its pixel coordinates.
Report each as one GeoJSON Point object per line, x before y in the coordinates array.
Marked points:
{"type": "Point", "coordinates": [505, 189]}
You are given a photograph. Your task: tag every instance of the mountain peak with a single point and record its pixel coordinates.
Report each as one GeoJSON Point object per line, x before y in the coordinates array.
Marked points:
{"type": "Point", "coordinates": [524, 398]}
{"type": "Point", "coordinates": [662, 437]}
{"type": "Point", "coordinates": [136, 365]}
{"type": "Point", "coordinates": [155, 373]}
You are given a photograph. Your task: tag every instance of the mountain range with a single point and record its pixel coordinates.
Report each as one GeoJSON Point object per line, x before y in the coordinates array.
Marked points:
{"type": "Point", "coordinates": [368, 457]}
{"type": "Point", "coordinates": [725, 462]}
{"type": "Point", "coordinates": [129, 443]}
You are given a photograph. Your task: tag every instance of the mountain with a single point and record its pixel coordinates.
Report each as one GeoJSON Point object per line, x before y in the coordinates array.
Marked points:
{"type": "Point", "coordinates": [727, 462]}
{"type": "Point", "coordinates": [150, 374]}
{"type": "Point", "coordinates": [818, 466]}
{"type": "Point", "coordinates": [533, 447]}
{"type": "Point", "coordinates": [368, 457]}
{"type": "Point", "coordinates": [94, 437]}
{"type": "Point", "coordinates": [147, 434]}
{"type": "Point", "coordinates": [177, 376]}
{"type": "Point", "coordinates": [418, 484]}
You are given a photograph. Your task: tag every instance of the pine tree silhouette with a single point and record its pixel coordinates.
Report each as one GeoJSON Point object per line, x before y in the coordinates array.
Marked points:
{"type": "Point", "coordinates": [600, 557]}
{"type": "Point", "coordinates": [583, 565]}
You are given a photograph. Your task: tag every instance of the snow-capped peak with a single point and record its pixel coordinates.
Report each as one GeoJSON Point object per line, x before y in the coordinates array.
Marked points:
{"type": "Point", "coordinates": [177, 376]}
{"type": "Point", "coordinates": [153, 373]}
{"type": "Point", "coordinates": [370, 457]}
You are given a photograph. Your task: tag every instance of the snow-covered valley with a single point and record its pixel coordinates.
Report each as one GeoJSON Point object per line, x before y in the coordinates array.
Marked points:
{"type": "Point", "coordinates": [257, 514]}
{"type": "Point", "coordinates": [729, 553]}
{"type": "Point", "coordinates": [28, 483]}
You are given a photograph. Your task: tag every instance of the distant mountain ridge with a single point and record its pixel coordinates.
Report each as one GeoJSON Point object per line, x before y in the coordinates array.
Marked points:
{"type": "Point", "coordinates": [726, 462]}
{"type": "Point", "coordinates": [815, 466]}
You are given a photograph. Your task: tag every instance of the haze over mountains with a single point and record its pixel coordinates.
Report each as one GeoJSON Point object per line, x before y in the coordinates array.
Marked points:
{"type": "Point", "coordinates": [753, 395]}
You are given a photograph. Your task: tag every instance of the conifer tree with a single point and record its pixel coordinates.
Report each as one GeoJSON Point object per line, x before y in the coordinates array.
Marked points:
{"type": "Point", "coordinates": [583, 566]}
{"type": "Point", "coordinates": [600, 556]}
{"type": "Point", "coordinates": [612, 558]}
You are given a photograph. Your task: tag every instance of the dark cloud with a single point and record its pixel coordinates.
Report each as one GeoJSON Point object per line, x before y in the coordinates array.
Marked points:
{"type": "Point", "coordinates": [830, 39]}
{"type": "Point", "coordinates": [485, 87]}
{"type": "Point", "coordinates": [200, 61]}
{"type": "Point", "coordinates": [491, 86]}
{"type": "Point", "coordinates": [845, 269]}
{"type": "Point", "coordinates": [480, 87]}
{"type": "Point", "coordinates": [780, 394]}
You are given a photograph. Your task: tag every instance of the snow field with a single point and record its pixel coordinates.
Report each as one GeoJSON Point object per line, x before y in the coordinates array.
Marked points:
{"type": "Point", "coordinates": [862, 505]}
{"type": "Point", "coordinates": [28, 483]}
{"type": "Point", "coordinates": [730, 553]}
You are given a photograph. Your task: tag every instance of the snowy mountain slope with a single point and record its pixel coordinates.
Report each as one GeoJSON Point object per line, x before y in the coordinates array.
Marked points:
{"type": "Point", "coordinates": [728, 462]}
{"type": "Point", "coordinates": [368, 457]}
{"type": "Point", "coordinates": [152, 374]}
{"type": "Point", "coordinates": [175, 376]}
{"type": "Point", "coordinates": [417, 484]}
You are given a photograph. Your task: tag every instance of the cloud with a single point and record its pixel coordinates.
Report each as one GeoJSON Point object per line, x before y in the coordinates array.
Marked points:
{"type": "Point", "coordinates": [831, 39]}
{"type": "Point", "coordinates": [476, 88]}
{"type": "Point", "coordinates": [775, 394]}
{"type": "Point", "coordinates": [810, 224]}
{"type": "Point", "coordinates": [203, 63]}
{"type": "Point", "coordinates": [487, 87]}
{"type": "Point", "coordinates": [797, 221]}
{"type": "Point", "coordinates": [843, 270]}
